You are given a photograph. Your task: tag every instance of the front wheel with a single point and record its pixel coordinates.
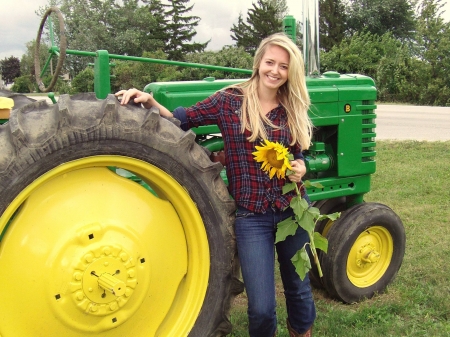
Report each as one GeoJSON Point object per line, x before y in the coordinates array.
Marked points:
{"type": "Point", "coordinates": [365, 251]}
{"type": "Point", "coordinates": [86, 250]}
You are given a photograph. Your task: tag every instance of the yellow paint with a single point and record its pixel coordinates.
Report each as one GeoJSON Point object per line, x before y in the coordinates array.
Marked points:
{"type": "Point", "coordinates": [80, 229]}
{"type": "Point", "coordinates": [6, 104]}
{"type": "Point", "coordinates": [370, 256]}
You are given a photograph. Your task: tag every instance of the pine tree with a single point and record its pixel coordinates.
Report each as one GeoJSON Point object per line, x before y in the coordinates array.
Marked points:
{"type": "Point", "coordinates": [181, 30]}
{"type": "Point", "coordinates": [332, 23]}
{"type": "Point", "coordinates": [158, 32]}
{"type": "Point", "coordinates": [263, 20]}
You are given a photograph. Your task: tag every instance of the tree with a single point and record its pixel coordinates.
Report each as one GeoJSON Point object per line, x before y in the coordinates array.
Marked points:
{"type": "Point", "coordinates": [138, 74]}
{"type": "Point", "coordinates": [359, 54]}
{"type": "Point", "coordinates": [382, 16]}
{"type": "Point", "coordinates": [138, 29]}
{"type": "Point", "coordinates": [332, 23]}
{"type": "Point", "coordinates": [121, 27]}
{"type": "Point", "coordinates": [84, 81]}
{"type": "Point", "coordinates": [181, 30]}
{"type": "Point", "coordinates": [433, 41]}
{"type": "Point", "coordinates": [264, 19]}
{"type": "Point", "coordinates": [24, 84]}
{"type": "Point", "coordinates": [229, 56]}
{"type": "Point", "coordinates": [27, 60]}
{"type": "Point", "coordinates": [281, 8]}
{"type": "Point", "coordinates": [10, 69]}
{"type": "Point", "coordinates": [89, 27]}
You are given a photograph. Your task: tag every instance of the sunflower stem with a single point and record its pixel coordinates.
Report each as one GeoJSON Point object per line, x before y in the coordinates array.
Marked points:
{"type": "Point", "coordinates": [312, 246]}
{"type": "Point", "coordinates": [315, 255]}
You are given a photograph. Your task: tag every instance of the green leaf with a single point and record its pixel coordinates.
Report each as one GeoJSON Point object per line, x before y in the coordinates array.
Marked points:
{"type": "Point", "coordinates": [288, 187]}
{"type": "Point", "coordinates": [284, 228]}
{"type": "Point", "coordinates": [299, 205]}
{"type": "Point", "coordinates": [301, 263]}
{"type": "Point", "coordinates": [309, 184]}
{"type": "Point", "coordinates": [320, 242]}
{"type": "Point", "coordinates": [314, 211]}
{"type": "Point", "coordinates": [290, 156]}
{"type": "Point", "coordinates": [307, 221]}
{"type": "Point", "coordinates": [332, 217]}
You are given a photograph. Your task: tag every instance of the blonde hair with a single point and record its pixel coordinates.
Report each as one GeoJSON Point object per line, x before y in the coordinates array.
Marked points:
{"type": "Point", "coordinates": [293, 95]}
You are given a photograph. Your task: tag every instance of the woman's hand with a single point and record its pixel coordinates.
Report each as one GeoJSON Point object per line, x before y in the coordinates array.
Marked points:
{"type": "Point", "coordinates": [299, 169]}
{"type": "Point", "coordinates": [146, 99]}
{"type": "Point", "coordinates": [137, 96]}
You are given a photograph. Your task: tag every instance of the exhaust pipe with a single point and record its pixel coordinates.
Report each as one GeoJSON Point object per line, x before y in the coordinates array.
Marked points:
{"type": "Point", "coordinates": [311, 37]}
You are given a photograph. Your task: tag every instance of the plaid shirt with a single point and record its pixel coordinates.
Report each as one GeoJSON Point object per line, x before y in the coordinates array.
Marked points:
{"type": "Point", "coordinates": [250, 186]}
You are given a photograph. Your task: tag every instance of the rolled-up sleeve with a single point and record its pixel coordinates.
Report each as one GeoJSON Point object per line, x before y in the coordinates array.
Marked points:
{"type": "Point", "coordinates": [180, 114]}
{"type": "Point", "coordinates": [297, 152]}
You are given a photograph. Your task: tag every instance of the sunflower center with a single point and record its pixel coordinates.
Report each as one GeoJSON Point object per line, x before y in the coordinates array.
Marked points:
{"type": "Point", "coordinates": [272, 159]}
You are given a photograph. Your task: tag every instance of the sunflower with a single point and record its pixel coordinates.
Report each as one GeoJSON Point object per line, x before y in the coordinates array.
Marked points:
{"type": "Point", "coordinates": [274, 157]}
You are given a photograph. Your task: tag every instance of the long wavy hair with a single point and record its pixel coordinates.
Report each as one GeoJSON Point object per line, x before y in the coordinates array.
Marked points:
{"type": "Point", "coordinates": [293, 95]}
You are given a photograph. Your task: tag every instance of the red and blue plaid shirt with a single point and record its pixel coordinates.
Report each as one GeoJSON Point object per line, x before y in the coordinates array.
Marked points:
{"type": "Point", "coordinates": [250, 186]}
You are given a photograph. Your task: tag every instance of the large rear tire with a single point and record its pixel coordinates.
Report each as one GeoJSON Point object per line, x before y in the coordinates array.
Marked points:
{"type": "Point", "coordinates": [83, 250]}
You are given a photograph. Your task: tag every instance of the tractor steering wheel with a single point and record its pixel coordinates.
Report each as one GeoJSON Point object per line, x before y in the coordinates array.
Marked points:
{"type": "Point", "coordinates": [53, 50]}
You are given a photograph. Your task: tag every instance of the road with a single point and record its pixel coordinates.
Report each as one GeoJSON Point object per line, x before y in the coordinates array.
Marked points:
{"type": "Point", "coordinates": [405, 122]}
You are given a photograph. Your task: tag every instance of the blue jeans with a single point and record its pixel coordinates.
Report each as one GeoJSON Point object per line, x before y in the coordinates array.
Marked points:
{"type": "Point", "coordinates": [255, 236]}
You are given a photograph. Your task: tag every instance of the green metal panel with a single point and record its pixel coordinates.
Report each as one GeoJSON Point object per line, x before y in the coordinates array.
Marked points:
{"type": "Point", "coordinates": [334, 187]}
{"type": "Point", "coordinates": [102, 80]}
{"type": "Point", "coordinates": [289, 27]}
{"type": "Point", "coordinates": [187, 93]}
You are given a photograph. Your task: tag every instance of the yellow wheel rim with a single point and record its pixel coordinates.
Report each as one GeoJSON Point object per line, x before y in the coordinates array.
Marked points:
{"type": "Point", "coordinates": [370, 256]}
{"type": "Point", "coordinates": [327, 227]}
{"type": "Point", "coordinates": [89, 251]}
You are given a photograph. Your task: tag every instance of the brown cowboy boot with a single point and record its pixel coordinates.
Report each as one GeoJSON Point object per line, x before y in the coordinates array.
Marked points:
{"type": "Point", "coordinates": [293, 333]}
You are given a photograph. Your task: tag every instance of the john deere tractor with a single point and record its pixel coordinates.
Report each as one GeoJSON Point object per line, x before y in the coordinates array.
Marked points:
{"type": "Point", "coordinates": [115, 222]}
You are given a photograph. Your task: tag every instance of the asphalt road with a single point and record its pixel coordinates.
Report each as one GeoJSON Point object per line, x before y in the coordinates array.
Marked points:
{"type": "Point", "coordinates": [404, 122]}
{"type": "Point", "coordinates": [407, 122]}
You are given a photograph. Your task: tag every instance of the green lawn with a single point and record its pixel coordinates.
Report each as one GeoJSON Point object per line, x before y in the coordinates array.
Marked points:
{"type": "Point", "coordinates": [413, 178]}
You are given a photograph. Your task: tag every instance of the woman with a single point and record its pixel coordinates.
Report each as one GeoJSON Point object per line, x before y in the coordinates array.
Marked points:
{"type": "Point", "coordinates": [272, 105]}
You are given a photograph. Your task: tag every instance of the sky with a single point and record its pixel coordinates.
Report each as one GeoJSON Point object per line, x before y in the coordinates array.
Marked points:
{"type": "Point", "coordinates": [19, 22]}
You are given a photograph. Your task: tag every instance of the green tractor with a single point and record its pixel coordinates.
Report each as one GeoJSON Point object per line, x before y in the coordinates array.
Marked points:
{"type": "Point", "coordinates": [115, 222]}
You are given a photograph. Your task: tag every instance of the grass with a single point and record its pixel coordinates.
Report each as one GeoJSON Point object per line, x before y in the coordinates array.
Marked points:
{"type": "Point", "coordinates": [413, 178]}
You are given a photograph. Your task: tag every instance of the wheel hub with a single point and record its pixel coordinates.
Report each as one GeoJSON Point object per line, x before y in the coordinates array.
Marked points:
{"type": "Point", "coordinates": [101, 285]}
{"type": "Point", "coordinates": [367, 255]}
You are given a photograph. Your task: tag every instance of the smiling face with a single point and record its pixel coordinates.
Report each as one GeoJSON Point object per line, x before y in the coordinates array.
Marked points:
{"type": "Point", "coordinates": [273, 68]}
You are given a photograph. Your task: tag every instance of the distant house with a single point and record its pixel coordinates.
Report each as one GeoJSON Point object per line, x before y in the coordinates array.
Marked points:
{"type": "Point", "coordinates": [2, 83]}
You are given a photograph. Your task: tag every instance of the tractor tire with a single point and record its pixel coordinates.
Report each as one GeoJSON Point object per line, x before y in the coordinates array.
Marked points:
{"type": "Point", "coordinates": [326, 206]}
{"type": "Point", "coordinates": [84, 250]}
{"type": "Point", "coordinates": [366, 246]}
{"type": "Point", "coordinates": [20, 100]}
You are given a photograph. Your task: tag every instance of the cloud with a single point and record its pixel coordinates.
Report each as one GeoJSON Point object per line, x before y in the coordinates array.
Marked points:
{"type": "Point", "coordinates": [18, 25]}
